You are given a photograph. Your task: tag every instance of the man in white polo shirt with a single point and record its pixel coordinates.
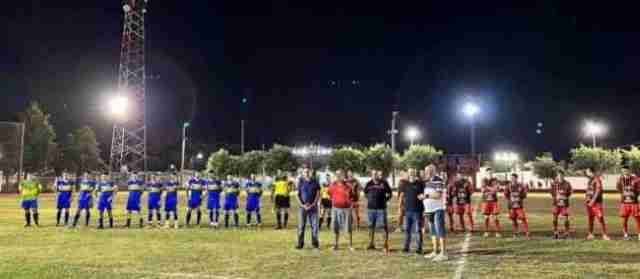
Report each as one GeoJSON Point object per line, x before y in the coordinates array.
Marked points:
{"type": "Point", "coordinates": [433, 199]}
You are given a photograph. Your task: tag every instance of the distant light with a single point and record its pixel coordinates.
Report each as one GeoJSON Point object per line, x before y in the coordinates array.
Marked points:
{"type": "Point", "coordinates": [244, 100]}
{"type": "Point", "coordinates": [538, 131]}
{"type": "Point", "coordinates": [332, 83]}
{"type": "Point", "coordinates": [470, 109]}
{"type": "Point", "coordinates": [200, 156]}
{"type": "Point", "coordinates": [412, 133]}
{"type": "Point", "coordinates": [186, 124]}
{"type": "Point", "coordinates": [506, 156]}
{"type": "Point", "coordinates": [593, 128]}
{"type": "Point", "coordinates": [540, 124]}
{"type": "Point", "coordinates": [118, 106]}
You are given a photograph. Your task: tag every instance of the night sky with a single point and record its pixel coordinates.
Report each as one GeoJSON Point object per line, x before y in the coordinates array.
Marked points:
{"type": "Point", "coordinates": [331, 73]}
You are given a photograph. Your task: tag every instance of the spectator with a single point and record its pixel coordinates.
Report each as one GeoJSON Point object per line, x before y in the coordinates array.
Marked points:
{"type": "Point", "coordinates": [340, 194]}
{"type": "Point", "coordinates": [308, 196]}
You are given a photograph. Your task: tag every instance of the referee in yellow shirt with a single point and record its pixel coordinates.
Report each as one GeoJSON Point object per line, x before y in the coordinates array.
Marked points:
{"type": "Point", "coordinates": [282, 189]}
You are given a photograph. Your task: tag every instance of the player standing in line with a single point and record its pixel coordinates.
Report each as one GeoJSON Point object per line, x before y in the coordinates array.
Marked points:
{"type": "Point", "coordinates": [214, 188]}
{"type": "Point", "coordinates": [85, 199]}
{"type": "Point", "coordinates": [231, 192]}
{"type": "Point", "coordinates": [135, 186]}
{"type": "Point", "coordinates": [325, 202]}
{"type": "Point", "coordinates": [154, 188]}
{"type": "Point", "coordinates": [516, 193]}
{"type": "Point", "coordinates": [402, 180]}
{"type": "Point", "coordinates": [64, 190]}
{"type": "Point", "coordinates": [108, 193]}
{"type": "Point", "coordinates": [194, 197]}
{"type": "Point", "coordinates": [593, 201]}
{"type": "Point", "coordinates": [281, 197]}
{"type": "Point", "coordinates": [462, 191]}
{"type": "Point", "coordinates": [629, 188]}
{"type": "Point", "coordinates": [254, 193]}
{"type": "Point", "coordinates": [561, 191]}
{"type": "Point", "coordinates": [356, 188]}
{"type": "Point", "coordinates": [489, 205]}
{"type": "Point", "coordinates": [29, 191]}
{"type": "Point", "coordinates": [171, 186]}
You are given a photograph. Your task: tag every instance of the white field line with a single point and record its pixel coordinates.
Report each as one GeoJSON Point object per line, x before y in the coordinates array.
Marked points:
{"type": "Point", "coordinates": [464, 250]}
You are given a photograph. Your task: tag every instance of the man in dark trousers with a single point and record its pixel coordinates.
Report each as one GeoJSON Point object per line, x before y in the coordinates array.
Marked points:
{"type": "Point", "coordinates": [308, 196]}
{"type": "Point", "coordinates": [413, 208]}
{"type": "Point", "coordinates": [378, 193]}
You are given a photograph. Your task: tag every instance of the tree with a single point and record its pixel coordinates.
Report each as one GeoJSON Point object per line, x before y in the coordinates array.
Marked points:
{"type": "Point", "coordinates": [545, 167]}
{"type": "Point", "coordinates": [633, 159]}
{"type": "Point", "coordinates": [81, 152]}
{"type": "Point", "coordinates": [280, 158]}
{"type": "Point", "coordinates": [251, 163]}
{"type": "Point", "coordinates": [420, 156]}
{"type": "Point", "coordinates": [347, 158]}
{"type": "Point", "coordinates": [599, 159]}
{"type": "Point", "coordinates": [221, 163]}
{"type": "Point", "coordinates": [38, 138]}
{"type": "Point", "coordinates": [379, 157]}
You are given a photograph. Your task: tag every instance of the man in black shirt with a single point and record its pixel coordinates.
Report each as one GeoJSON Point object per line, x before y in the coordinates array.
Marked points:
{"type": "Point", "coordinates": [378, 194]}
{"type": "Point", "coordinates": [409, 192]}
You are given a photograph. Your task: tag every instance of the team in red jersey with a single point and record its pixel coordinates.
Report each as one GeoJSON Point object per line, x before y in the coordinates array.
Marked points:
{"type": "Point", "coordinates": [629, 188]}
{"type": "Point", "coordinates": [462, 191]}
{"type": "Point", "coordinates": [561, 194]}
{"type": "Point", "coordinates": [489, 205]}
{"type": "Point", "coordinates": [593, 201]}
{"type": "Point", "coordinates": [516, 193]}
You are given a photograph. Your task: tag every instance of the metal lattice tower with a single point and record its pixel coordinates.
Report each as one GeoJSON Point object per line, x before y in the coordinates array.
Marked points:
{"type": "Point", "coordinates": [129, 141]}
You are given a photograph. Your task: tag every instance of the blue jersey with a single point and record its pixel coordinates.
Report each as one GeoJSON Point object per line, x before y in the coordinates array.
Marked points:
{"type": "Point", "coordinates": [171, 198]}
{"type": "Point", "coordinates": [64, 188]}
{"type": "Point", "coordinates": [231, 192]}
{"type": "Point", "coordinates": [213, 193]}
{"type": "Point", "coordinates": [254, 192]}
{"type": "Point", "coordinates": [106, 189]}
{"type": "Point", "coordinates": [136, 188]}
{"type": "Point", "coordinates": [155, 194]}
{"type": "Point", "coordinates": [85, 194]}
{"type": "Point", "coordinates": [195, 187]}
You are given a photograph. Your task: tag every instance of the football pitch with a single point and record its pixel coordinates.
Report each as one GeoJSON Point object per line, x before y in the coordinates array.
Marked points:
{"type": "Point", "coordinates": [54, 252]}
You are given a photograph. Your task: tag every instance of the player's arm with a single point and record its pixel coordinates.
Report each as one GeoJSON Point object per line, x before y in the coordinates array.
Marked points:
{"type": "Point", "coordinates": [299, 194]}
{"type": "Point", "coordinates": [316, 199]}
{"type": "Point", "coordinates": [598, 190]}
{"type": "Point", "coordinates": [387, 192]}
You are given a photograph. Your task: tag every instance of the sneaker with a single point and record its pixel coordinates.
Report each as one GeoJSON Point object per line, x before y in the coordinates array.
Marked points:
{"type": "Point", "coordinates": [398, 230]}
{"type": "Point", "coordinates": [27, 225]}
{"type": "Point", "coordinates": [441, 257]}
{"type": "Point", "coordinates": [605, 237]}
{"type": "Point", "coordinates": [626, 236]}
{"type": "Point", "coordinates": [556, 235]}
{"type": "Point", "coordinates": [638, 236]}
{"type": "Point", "coordinates": [431, 255]}
{"type": "Point", "coordinates": [371, 247]}
{"type": "Point", "coordinates": [405, 251]}
{"type": "Point", "coordinates": [590, 236]}
{"type": "Point", "coordinates": [351, 249]}
{"type": "Point", "coordinates": [299, 247]}
{"type": "Point", "coordinates": [486, 234]}
{"type": "Point", "coordinates": [215, 224]}
{"type": "Point", "coordinates": [498, 235]}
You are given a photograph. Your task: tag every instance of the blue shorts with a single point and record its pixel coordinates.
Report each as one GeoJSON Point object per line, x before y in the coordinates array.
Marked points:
{"type": "Point", "coordinates": [377, 218]}
{"type": "Point", "coordinates": [104, 203]}
{"type": "Point", "coordinates": [133, 201]}
{"type": "Point", "coordinates": [195, 202]}
{"type": "Point", "coordinates": [64, 200]}
{"type": "Point", "coordinates": [27, 204]}
{"type": "Point", "coordinates": [154, 201]}
{"type": "Point", "coordinates": [85, 200]}
{"type": "Point", "coordinates": [231, 203]}
{"type": "Point", "coordinates": [171, 202]}
{"type": "Point", "coordinates": [213, 201]}
{"type": "Point", "coordinates": [253, 203]}
{"type": "Point", "coordinates": [436, 223]}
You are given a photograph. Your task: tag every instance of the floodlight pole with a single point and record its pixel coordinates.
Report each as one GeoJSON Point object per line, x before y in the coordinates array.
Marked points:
{"type": "Point", "coordinates": [593, 136]}
{"type": "Point", "coordinates": [184, 145]}
{"type": "Point", "coordinates": [392, 133]}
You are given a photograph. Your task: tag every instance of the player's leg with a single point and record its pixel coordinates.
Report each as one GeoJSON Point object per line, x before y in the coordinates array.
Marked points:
{"type": "Point", "coordinates": [110, 214]}
{"type": "Point", "coordinates": [487, 220]}
{"type": "Point", "coordinates": [567, 225]}
{"type": "Point", "coordinates": [128, 224]}
{"type": "Point", "coordinates": [27, 217]}
{"type": "Point", "coordinates": [496, 220]}
{"type": "Point", "coordinates": [452, 226]}
{"type": "Point", "coordinates": [386, 232]}
{"type": "Point", "coordinates": [322, 213]}
{"type": "Point", "coordinates": [371, 216]}
{"type": "Point", "coordinates": [226, 218]}
{"type": "Point", "coordinates": [188, 216]}
{"type": "Point", "coordinates": [302, 224]}
{"type": "Point", "coordinates": [636, 217]}
{"type": "Point", "coordinates": [76, 217]}
{"type": "Point", "coordinates": [556, 234]}
{"type": "Point", "coordinates": [236, 216]}
{"type": "Point", "coordinates": [313, 222]}
{"type": "Point", "coordinates": [469, 213]}
{"type": "Point", "coordinates": [58, 213]}
{"type": "Point", "coordinates": [248, 216]}
{"type": "Point", "coordinates": [101, 219]}
{"type": "Point", "coordinates": [286, 216]}
{"type": "Point", "coordinates": [259, 217]}
{"type": "Point", "coordinates": [35, 214]}
{"type": "Point", "coordinates": [198, 215]}
{"type": "Point", "coordinates": [514, 222]}
{"type": "Point", "coordinates": [66, 216]}
{"type": "Point", "coordinates": [431, 216]}
{"type": "Point", "coordinates": [603, 224]}
{"type": "Point", "coordinates": [461, 219]}
{"type": "Point", "coordinates": [525, 223]}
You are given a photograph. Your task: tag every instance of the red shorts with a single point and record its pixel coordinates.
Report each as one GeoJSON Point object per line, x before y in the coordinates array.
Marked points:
{"type": "Point", "coordinates": [463, 208]}
{"type": "Point", "coordinates": [629, 209]}
{"type": "Point", "coordinates": [518, 213]}
{"type": "Point", "coordinates": [595, 210]}
{"type": "Point", "coordinates": [490, 208]}
{"type": "Point", "coordinates": [560, 210]}
{"type": "Point", "coordinates": [451, 209]}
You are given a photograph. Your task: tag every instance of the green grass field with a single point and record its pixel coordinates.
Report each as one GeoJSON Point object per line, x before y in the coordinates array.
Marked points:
{"type": "Point", "coordinates": [51, 252]}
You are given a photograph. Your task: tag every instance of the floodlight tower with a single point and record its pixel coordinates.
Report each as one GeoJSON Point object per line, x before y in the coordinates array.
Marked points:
{"type": "Point", "coordinates": [129, 141]}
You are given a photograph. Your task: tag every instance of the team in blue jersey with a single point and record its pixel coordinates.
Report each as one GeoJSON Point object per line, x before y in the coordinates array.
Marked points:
{"type": "Point", "coordinates": [214, 190]}
{"type": "Point", "coordinates": [171, 187]}
{"type": "Point", "coordinates": [254, 193]}
{"type": "Point", "coordinates": [154, 188]}
{"type": "Point", "coordinates": [64, 191]}
{"type": "Point", "coordinates": [194, 198]}
{"type": "Point", "coordinates": [87, 187]}
{"type": "Point", "coordinates": [231, 193]}
{"type": "Point", "coordinates": [107, 193]}
{"type": "Point", "coordinates": [135, 186]}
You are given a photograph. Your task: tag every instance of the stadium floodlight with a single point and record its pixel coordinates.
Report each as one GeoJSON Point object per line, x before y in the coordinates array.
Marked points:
{"type": "Point", "coordinates": [118, 106]}
{"type": "Point", "coordinates": [470, 110]}
{"type": "Point", "coordinates": [200, 156]}
{"type": "Point", "coordinates": [412, 134]}
{"type": "Point", "coordinates": [594, 129]}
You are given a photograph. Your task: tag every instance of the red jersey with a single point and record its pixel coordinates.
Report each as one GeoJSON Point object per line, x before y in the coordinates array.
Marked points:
{"type": "Point", "coordinates": [594, 190]}
{"type": "Point", "coordinates": [340, 194]}
{"type": "Point", "coordinates": [462, 190]}
{"type": "Point", "coordinates": [561, 193]}
{"type": "Point", "coordinates": [515, 194]}
{"type": "Point", "coordinates": [489, 193]}
{"type": "Point", "coordinates": [355, 189]}
{"type": "Point", "coordinates": [629, 188]}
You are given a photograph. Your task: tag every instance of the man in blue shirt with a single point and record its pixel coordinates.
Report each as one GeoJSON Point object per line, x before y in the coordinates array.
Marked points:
{"type": "Point", "coordinates": [195, 186]}
{"type": "Point", "coordinates": [171, 200]}
{"type": "Point", "coordinates": [64, 190]}
{"type": "Point", "coordinates": [85, 199]}
{"type": "Point", "coordinates": [254, 192]}
{"type": "Point", "coordinates": [308, 196]}
{"type": "Point", "coordinates": [214, 188]}
{"type": "Point", "coordinates": [135, 186]}
{"type": "Point", "coordinates": [231, 192]}
{"type": "Point", "coordinates": [108, 192]}
{"type": "Point", "coordinates": [154, 188]}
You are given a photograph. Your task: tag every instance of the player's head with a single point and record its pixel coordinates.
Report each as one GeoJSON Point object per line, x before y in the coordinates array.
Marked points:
{"type": "Point", "coordinates": [430, 171]}
{"type": "Point", "coordinates": [559, 175]}
{"type": "Point", "coordinates": [411, 173]}
{"type": "Point", "coordinates": [349, 174]}
{"type": "Point", "coordinates": [493, 182]}
{"type": "Point", "coordinates": [514, 178]}
{"type": "Point", "coordinates": [625, 171]}
{"type": "Point", "coordinates": [229, 177]}
{"type": "Point", "coordinates": [459, 175]}
{"type": "Point", "coordinates": [196, 175]}
{"type": "Point", "coordinates": [378, 175]}
{"type": "Point", "coordinates": [29, 176]}
{"type": "Point", "coordinates": [252, 176]}
{"type": "Point", "coordinates": [306, 172]}
{"type": "Point", "coordinates": [104, 176]}
{"type": "Point", "coordinates": [489, 172]}
{"type": "Point", "coordinates": [590, 172]}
